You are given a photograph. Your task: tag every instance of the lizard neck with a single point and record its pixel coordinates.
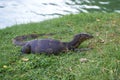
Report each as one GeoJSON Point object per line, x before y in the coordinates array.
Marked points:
{"type": "Point", "coordinates": [73, 44]}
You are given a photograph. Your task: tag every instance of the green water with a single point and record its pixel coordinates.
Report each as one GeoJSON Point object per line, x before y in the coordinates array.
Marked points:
{"type": "Point", "coordinates": [96, 5]}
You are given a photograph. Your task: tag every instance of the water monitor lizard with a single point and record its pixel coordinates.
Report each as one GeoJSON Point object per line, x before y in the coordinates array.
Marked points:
{"type": "Point", "coordinates": [49, 46]}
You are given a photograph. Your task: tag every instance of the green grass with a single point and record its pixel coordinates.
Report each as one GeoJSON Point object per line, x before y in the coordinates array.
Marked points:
{"type": "Point", "coordinates": [104, 59]}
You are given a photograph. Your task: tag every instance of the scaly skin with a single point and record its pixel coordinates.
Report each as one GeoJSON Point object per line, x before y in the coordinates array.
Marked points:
{"type": "Point", "coordinates": [49, 46]}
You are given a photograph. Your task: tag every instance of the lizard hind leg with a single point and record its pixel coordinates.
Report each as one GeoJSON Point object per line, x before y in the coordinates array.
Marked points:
{"type": "Point", "coordinates": [26, 49]}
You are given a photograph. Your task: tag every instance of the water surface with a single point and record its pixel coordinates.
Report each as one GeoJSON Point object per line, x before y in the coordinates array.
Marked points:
{"type": "Point", "coordinates": [23, 11]}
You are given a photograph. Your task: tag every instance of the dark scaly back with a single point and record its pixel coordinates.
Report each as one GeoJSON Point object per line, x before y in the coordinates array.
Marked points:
{"type": "Point", "coordinates": [20, 40]}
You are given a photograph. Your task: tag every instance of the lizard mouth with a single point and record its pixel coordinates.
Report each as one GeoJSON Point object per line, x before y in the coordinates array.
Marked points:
{"type": "Point", "coordinates": [88, 36]}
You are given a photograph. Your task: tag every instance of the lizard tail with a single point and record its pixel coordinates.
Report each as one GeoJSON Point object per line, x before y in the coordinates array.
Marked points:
{"type": "Point", "coordinates": [20, 40]}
